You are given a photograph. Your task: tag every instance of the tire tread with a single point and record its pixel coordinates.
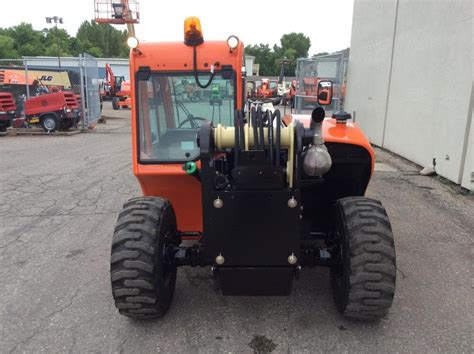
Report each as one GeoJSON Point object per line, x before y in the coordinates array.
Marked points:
{"type": "Point", "coordinates": [133, 269]}
{"type": "Point", "coordinates": [371, 258]}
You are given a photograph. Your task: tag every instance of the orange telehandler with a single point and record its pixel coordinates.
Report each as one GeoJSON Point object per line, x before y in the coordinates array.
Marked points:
{"type": "Point", "coordinates": [260, 200]}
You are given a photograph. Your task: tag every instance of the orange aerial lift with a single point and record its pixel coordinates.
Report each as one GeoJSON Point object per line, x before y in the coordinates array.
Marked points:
{"type": "Point", "coordinates": [118, 12]}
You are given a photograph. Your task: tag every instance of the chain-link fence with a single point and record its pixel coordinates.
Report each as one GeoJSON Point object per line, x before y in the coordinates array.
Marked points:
{"type": "Point", "coordinates": [90, 74]}
{"type": "Point", "coordinates": [34, 76]}
{"type": "Point", "coordinates": [310, 71]}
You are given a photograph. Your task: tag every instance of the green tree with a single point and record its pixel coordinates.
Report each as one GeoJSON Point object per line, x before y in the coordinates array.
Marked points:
{"type": "Point", "coordinates": [110, 41]}
{"type": "Point", "coordinates": [297, 41]}
{"type": "Point", "coordinates": [264, 56]}
{"type": "Point", "coordinates": [97, 40]}
{"type": "Point", "coordinates": [27, 41]}
{"type": "Point", "coordinates": [7, 48]}
{"type": "Point", "coordinates": [95, 52]}
{"type": "Point", "coordinates": [293, 46]}
{"type": "Point", "coordinates": [54, 37]}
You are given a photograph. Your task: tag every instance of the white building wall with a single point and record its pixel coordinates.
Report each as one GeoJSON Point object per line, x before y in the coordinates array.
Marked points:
{"type": "Point", "coordinates": [410, 78]}
{"type": "Point", "coordinates": [467, 178]}
{"type": "Point", "coordinates": [369, 65]}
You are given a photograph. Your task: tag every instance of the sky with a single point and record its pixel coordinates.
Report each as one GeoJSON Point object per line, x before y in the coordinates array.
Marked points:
{"type": "Point", "coordinates": [326, 22]}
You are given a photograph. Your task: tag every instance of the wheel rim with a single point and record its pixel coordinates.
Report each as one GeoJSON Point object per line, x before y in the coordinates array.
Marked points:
{"type": "Point", "coordinates": [49, 123]}
{"type": "Point", "coordinates": [167, 268]}
{"type": "Point", "coordinates": [338, 270]}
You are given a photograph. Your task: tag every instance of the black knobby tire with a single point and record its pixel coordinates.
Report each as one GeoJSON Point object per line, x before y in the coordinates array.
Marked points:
{"type": "Point", "coordinates": [142, 282]}
{"type": "Point", "coordinates": [364, 284]}
{"type": "Point", "coordinates": [115, 103]}
{"type": "Point", "coordinates": [67, 124]}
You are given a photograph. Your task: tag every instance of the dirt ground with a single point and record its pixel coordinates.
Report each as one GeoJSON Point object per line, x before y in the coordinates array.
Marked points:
{"type": "Point", "coordinates": [60, 197]}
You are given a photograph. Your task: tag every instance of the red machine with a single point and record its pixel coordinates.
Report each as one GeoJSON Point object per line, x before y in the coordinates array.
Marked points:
{"type": "Point", "coordinates": [53, 111]}
{"type": "Point", "coordinates": [7, 110]}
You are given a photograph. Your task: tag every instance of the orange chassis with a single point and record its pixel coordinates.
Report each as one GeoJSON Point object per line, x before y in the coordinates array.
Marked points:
{"type": "Point", "coordinates": [264, 195]}
{"type": "Point", "coordinates": [169, 180]}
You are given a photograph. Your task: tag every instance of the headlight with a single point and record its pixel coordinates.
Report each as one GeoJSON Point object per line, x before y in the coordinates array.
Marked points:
{"type": "Point", "coordinates": [232, 42]}
{"type": "Point", "coordinates": [132, 42]}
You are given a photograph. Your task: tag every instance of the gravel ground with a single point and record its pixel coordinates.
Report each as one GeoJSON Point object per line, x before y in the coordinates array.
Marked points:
{"type": "Point", "coordinates": [59, 200]}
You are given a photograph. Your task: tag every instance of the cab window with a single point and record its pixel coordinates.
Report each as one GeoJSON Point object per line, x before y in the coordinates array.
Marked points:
{"type": "Point", "coordinates": [172, 108]}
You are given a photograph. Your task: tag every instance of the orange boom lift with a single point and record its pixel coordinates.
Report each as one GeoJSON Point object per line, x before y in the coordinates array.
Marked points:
{"type": "Point", "coordinates": [261, 199]}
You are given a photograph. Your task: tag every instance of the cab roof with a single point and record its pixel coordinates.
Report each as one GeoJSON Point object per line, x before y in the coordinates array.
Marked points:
{"type": "Point", "coordinates": [177, 56]}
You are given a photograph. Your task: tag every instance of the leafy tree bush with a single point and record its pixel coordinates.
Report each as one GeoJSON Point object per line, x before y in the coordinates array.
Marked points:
{"type": "Point", "coordinates": [292, 46]}
{"type": "Point", "coordinates": [98, 40]}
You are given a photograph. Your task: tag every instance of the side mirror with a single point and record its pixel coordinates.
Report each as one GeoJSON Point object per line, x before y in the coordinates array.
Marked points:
{"type": "Point", "coordinates": [325, 92]}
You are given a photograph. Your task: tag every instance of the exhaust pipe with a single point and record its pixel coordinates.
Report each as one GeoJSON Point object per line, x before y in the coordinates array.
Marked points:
{"type": "Point", "coordinates": [317, 160]}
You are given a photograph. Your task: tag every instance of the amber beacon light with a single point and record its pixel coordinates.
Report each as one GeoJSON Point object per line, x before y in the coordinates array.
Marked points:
{"type": "Point", "coordinates": [192, 31]}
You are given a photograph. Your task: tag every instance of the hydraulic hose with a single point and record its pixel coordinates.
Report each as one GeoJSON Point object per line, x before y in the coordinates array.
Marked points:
{"type": "Point", "coordinates": [278, 137]}
{"type": "Point", "coordinates": [237, 138]}
{"type": "Point", "coordinates": [253, 115]}
{"type": "Point", "coordinates": [261, 137]}
{"type": "Point", "coordinates": [241, 129]}
{"type": "Point", "coordinates": [270, 136]}
{"type": "Point", "coordinates": [196, 77]}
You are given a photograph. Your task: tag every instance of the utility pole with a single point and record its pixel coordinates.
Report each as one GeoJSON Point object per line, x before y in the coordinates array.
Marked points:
{"type": "Point", "coordinates": [284, 62]}
{"type": "Point", "coordinates": [56, 20]}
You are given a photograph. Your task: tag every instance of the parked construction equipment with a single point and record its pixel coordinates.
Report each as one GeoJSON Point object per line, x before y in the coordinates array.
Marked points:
{"type": "Point", "coordinates": [261, 199]}
{"type": "Point", "coordinates": [267, 89]}
{"type": "Point", "coordinates": [116, 88]}
{"type": "Point", "coordinates": [7, 110]}
{"type": "Point", "coordinates": [53, 111]}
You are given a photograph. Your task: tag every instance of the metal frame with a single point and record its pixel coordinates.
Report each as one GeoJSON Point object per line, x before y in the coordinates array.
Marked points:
{"type": "Point", "coordinates": [104, 12]}
{"type": "Point", "coordinates": [338, 62]}
{"type": "Point", "coordinates": [252, 230]}
{"type": "Point", "coordinates": [83, 68]}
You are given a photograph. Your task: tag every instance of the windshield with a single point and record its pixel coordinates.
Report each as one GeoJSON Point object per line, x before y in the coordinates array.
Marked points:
{"type": "Point", "coordinates": [172, 107]}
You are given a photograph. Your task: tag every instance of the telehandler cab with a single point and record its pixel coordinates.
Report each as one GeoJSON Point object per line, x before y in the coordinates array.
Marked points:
{"type": "Point", "coordinates": [261, 199]}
